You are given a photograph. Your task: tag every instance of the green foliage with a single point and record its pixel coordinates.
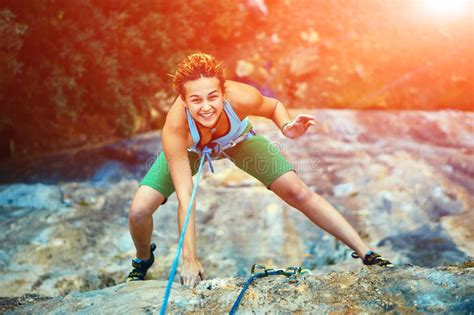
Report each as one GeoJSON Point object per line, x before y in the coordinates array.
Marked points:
{"type": "Point", "coordinates": [11, 33]}
{"type": "Point", "coordinates": [95, 67]}
{"type": "Point", "coordinates": [68, 60]}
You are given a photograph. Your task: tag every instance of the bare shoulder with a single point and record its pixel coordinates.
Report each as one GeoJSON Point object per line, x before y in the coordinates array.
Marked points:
{"type": "Point", "coordinates": [176, 117]}
{"type": "Point", "coordinates": [242, 96]}
{"type": "Point", "coordinates": [247, 100]}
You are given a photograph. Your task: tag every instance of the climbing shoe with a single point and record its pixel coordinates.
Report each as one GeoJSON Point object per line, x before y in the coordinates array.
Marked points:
{"type": "Point", "coordinates": [140, 267]}
{"type": "Point", "coordinates": [372, 258]}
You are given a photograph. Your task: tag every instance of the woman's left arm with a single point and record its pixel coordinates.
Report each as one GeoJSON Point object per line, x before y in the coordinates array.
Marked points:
{"type": "Point", "coordinates": [254, 103]}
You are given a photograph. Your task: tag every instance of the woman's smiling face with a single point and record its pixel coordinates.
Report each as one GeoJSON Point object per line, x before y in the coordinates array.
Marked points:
{"type": "Point", "coordinates": [204, 99]}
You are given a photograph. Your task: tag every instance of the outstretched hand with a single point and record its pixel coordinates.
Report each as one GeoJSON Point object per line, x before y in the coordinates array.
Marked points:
{"type": "Point", "coordinates": [192, 273]}
{"type": "Point", "coordinates": [299, 126]}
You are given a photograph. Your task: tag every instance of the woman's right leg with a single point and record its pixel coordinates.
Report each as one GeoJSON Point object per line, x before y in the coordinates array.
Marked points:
{"type": "Point", "coordinates": [153, 190]}
{"type": "Point", "coordinates": [140, 218]}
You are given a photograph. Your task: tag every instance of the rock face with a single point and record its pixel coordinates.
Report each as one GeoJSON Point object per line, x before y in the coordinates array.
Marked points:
{"type": "Point", "coordinates": [372, 290]}
{"type": "Point", "coordinates": [404, 180]}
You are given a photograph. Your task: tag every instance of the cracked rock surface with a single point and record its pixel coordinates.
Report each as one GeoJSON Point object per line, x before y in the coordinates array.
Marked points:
{"type": "Point", "coordinates": [404, 180]}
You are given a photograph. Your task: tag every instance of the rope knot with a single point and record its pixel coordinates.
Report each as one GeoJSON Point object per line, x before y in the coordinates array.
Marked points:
{"type": "Point", "coordinates": [206, 153]}
{"type": "Point", "coordinates": [206, 150]}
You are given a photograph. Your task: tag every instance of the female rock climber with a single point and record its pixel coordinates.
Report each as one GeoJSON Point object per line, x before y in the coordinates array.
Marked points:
{"type": "Point", "coordinates": [211, 111]}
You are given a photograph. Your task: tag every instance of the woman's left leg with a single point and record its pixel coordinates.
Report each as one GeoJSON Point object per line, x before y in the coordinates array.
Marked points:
{"type": "Point", "coordinates": [263, 160]}
{"type": "Point", "coordinates": [293, 191]}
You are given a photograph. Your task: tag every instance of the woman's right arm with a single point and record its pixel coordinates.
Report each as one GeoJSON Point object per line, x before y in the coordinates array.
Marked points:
{"type": "Point", "coordinates": [175, 148]}
{"type": "Point", "coordinates": [174, 139]}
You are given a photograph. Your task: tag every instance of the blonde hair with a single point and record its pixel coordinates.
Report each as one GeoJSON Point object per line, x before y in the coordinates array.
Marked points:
{"type": "Point", "coordinates": [196, 66]}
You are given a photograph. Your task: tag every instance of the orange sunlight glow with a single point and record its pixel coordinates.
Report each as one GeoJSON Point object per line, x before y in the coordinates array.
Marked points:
{"type": "Point", "coordinates": [447, 8]}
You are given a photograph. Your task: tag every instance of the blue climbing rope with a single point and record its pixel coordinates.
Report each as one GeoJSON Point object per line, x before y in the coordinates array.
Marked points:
{"type": "Point", "coordinates": [290, 271]}
{"type": "Point", "coordinates": [205, 155]}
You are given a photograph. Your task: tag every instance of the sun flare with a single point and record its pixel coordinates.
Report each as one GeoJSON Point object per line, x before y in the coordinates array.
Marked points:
{"type": "Point", "coordinates": [452, 8]}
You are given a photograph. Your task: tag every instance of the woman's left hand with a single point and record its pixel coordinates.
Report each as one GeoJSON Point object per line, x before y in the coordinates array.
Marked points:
{"type": "Point", "coordinates": [299, 126]}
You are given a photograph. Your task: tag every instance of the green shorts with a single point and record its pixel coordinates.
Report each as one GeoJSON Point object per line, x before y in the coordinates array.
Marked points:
{"type": "Point", "coordinates": [257, 156]}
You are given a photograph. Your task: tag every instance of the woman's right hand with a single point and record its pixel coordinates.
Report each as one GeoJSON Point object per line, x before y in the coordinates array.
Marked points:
{"type": "Point", "coordinates": [192, 273]}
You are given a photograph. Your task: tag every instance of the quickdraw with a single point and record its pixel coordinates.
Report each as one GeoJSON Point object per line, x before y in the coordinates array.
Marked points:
{"type": "Point", "coordinates": [290, 271]}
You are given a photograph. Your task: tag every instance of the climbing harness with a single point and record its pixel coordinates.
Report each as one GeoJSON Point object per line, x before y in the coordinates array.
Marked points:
{"type": "Point", "coordinates": [290, 271]}
{"type": "Point", "coordinates": [219, 150]}
{"type": "Point", "coordinates": [205, 155]}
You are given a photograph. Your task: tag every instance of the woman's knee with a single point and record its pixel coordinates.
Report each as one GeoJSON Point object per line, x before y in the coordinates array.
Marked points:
{"type": "Point", "coordinates": [144, 204]}
{"type": "Point", "coordinates": [298, 195]}
{"type": "Point", "coordinates": [138, 213]}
